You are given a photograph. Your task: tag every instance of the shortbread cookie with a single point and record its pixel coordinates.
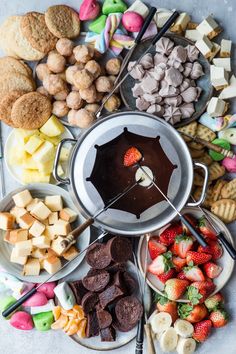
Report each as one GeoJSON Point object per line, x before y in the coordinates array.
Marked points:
{"type": "Point", "coordinates": [225, 209]}
{"type": "Point", "coordinates": [216, 171]}
{"type": "Point", "coordinates": [62, 21]}
{"type": "Point", "coordinates": [11, 82]}
{"type": "Point", "coordinates": [208, 197]}
{"type": "Point", "coordinates": [216, 191]}
{"type": "Point", "coordinates": [205, 133]}
{"type": "Point", "coordinates": [6, 104]}
{"type": "Point", "coordinates": [189, 129]}
{"type": "Point", "coordinates": [35, 30]}
{"type": "Point", "coordinates": [12, 65]}
{"type": "Point", "coordinates": [205, 159]}
{"type": "Point", "coordinates": [31, 110]}
{"type": "Point", "coordinates": [229, 190]}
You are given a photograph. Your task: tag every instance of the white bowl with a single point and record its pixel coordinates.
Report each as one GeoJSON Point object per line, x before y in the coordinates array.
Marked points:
{"type": "Point", "coordinates": [41, 190]}
{"type": "Point", "coordinates": [226, 262]}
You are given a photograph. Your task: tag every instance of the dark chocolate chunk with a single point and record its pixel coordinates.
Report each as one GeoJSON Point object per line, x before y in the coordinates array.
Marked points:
{"type": "Point", "coordinates": [78, 290]}
{"type": "Point", "coordinates": [104, 319]}
{"type": "Point", "coordinates": [96, 282]}
{"type": "Point", "coordinates": [119, 281]}
{"type": "Point", "coordinates": [128, 310]}
{"type": "Point", "coordinates": [119, 249]}
{"type": "Point", "coordinates": [130, 283]}
{"type": "Point", "coordinates": [89, 301]}
{"type": "Point", "coordinates": [108, 334]}
{"type": "Point", "coordinates": [97, 256]}
{"type": "Point", "coordinates": [110, 295]}
{"type": "Point", "coordinates": [92, 328]}
{"type": "Point", "coordinates": [115, 267]}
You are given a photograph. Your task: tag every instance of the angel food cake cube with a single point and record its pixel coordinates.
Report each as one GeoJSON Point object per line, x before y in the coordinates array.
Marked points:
{"type": "Point", "coordinates": [26, 221]}
{"type": "Point", "coordinates": [22, 199]}
{"type": "Point", "coordinates": [23, 248]}
{"type": "Point", "coordinates": [15, 258]}
{"type": "Point", "coordinates": [54, 202]}
{"type": "Point", "coordinates": [52, 264]}
{"type": "Point", "coordinates": [7, 221]}
{"type": "Point", "coordinates": [37, 228]}
{"type": "Point", "coordinates": [32, 267]}
{"type": "Point", "coordinates": [41, 211]}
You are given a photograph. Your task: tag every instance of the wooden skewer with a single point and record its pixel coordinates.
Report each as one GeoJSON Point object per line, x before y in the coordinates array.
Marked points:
{"type": "Point", "coordinates": [216, 148]}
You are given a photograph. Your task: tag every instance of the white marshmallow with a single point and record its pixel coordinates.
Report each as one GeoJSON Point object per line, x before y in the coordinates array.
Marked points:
{"type": "Point", "coordinates": [65, 295]}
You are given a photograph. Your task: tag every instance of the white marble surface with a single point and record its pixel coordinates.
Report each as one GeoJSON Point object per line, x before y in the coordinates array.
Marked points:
{"type": "Point", "coordinates": [54, 342]}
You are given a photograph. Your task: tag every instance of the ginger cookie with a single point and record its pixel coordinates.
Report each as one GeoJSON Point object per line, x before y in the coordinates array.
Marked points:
{"type": "Point", "coordinates": [35, 30]}
{"type": "Point", "coordinates": [14, 81]}
{"type": "Point", "coordinates": [12, 65]}
{"type": "Point", "coordinates": [31, 111]}
{"type": "Point", "coordinates": [62, 21]}
{"type": "Point", "coordinates": [6, 104]}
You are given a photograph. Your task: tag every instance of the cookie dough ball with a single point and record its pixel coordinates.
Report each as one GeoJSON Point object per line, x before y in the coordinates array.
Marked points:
{"type": "Point", "coordinates": [70, 72]}
{"type": "Point", "coordinates": [74, 88]}
{"type": "Point", "coordinates": [83, 53]}
{"type": "Point", "coordinates": [100, 96]}
{"type": "Point", "coordinates": [92, 107]}
{"type": "Point", "coordinates": [81, 118]}
{"type": "Point", "coordinates": [113, 103]}
{"type": "Point", "coordinates": [89, 94]}
{"type": "Point", "coordinates": [71, 59]}
{"type": "Point", "coordinates": [62, 75]}
{"type": "Point", "coordinates": [53, 84]}
{"type": "Point", "coordinates": [44, 92]}
{"type": "Point", "coordinates": [61, 96]}
{"type": "Point", "coordinates": [103, 84]}
{"type": "Point", "coordinates": [83, 79]}
{"type": "Point", "coordinates": [59, 108]}
{"type": "Point", "coordinates": [65, 47]}
{"type": "Point", "coordinates": [42, 70]}
{"type": "Point", "coordinates": [71, 116]}
{"type": "Point", "coordinates": [56, 62]}
{"type": "Point", "coordinates": [94, 68]}
{"type": "Point", "coordinates": [112, 78]}
{"type": "Point", "coordinates": [113, 66]}
{"type": "Point", "coordinates": [74, 100]}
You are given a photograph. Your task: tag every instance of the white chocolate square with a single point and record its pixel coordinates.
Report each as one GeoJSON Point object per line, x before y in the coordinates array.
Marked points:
{"type": "Point", "coordinates": [139, 7]}
{"type": "Point", "coordinates": [230, 91]}
{"type": "Point", "coordinates": [216, 107]}
{"type": "Point", "coordinates": [161, 17]}
{"type": "Point", "coordinates": [193, 34]}
{"type": "Point", "coordinates": [23, 248]}
{"type": "Point", "coordinates": [22, 199]}
{"type": "Point", "coordinates": [181, 23]}
{"type": "Point", "coordinates": [41, 211]}
{"type": "Point", "coordinates": [226, 46]}
{"type": "Point", "coordinates": [223, 63]}
{"type": "Point", "coordinates": [17, 259]}
{"type": "Point", "coordinates": [205, 46]}
{"type": "Point", "coordinates": [54, 202]}
{"type": "Point", "coordinates": [219, 77]}
{"type": "Point", "coordinates": [208, 27]}
{"type": "Point", "coordinates": [37, 228]}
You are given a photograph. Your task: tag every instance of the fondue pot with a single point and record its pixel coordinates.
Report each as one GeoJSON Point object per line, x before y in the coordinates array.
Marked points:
{"type": "Point", "coordinates": [96, 172]}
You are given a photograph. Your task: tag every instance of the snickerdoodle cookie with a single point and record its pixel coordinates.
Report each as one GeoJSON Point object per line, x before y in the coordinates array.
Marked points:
{"type": "Point", "coordinates": [6, 104]}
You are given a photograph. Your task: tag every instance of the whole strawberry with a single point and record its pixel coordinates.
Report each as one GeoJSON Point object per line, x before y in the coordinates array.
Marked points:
{"type": "Point", "coordinates": [132, 156]}
{"type": "Point", "coordinates": [192, 313]}
{"type": "Point", "coordinates": [167, 275]}
{"type": "Point", "coordinates": [167, 237]}
{"type": "Point", "coordinates": [202, 330]}
{"type": "Point", "coordinates": [199, 291]}
{"type": "Point", "coordinates": [214, 301]}
{"type": "Point", "coordinates": [219, 318]}
{"type": "Point", "coordinates": [165, 305]}
{"type": "Point", "coordinates": [212, 270]}
{"type": "Point", "coordinates": [155, 247]}
{"type": "Point", "coordinates": [175, 288]}
{"type": "Point", "coordinates": [182, 245]}
{"type": "Point", "coordinates": [213, 248]}
{"type": "Point", "coordinates": [206, 229]}
{"type": "Point", "coordinates": [197, 257]}
{"type": "Point", "coordinates": [193, 273]}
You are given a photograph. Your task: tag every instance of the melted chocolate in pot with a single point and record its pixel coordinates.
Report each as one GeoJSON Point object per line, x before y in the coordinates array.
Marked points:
{"type": "Point", "coordinates": [110, 177]}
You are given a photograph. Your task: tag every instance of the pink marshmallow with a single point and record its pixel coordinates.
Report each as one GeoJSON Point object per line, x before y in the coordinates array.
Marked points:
{"type": "Point", "coordinates": [38, 299]}
{"type": "Point", "coordinates": [48, 289]}
{"type": "Point", "coordinates": [132, 21]}
{"type": "Point", "coordinates": [229, 164]}
{"type": "Point", "coordinates": [89, 10]}
{"type": "Point", "coordinates": [22, 320]}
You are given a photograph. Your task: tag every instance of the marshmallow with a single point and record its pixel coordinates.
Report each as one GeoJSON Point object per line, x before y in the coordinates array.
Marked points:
{"type": "Point", "coordinates": [162, 15]}
{"type": "Point", "coordinates": [181, 23]}
{"type": "Point", "coordinates": [44, 308]}
{"type": "Point", "coordinates": [229, 91]}
{"type": "Point", "coordinates": [209, 27]}
{"type": "Point", "coordinates": [223, 63]}
{"type": "Point", "coordinates": [229, 135]}
{"type": "Point", "coordinates": [229, 164]}
{"type": "Point", "coordinates": [216, 107]}
{"type": "Point", "coordinates": [65, 295]}
{"type": "Point", "coordinates": [214, 124]}
{"type": "Point", "coordinates": [193, 34]}
{"type": "Point", "coordinates": [219, 77]}
{"type": "Point", "coordinates": [22, 320]}
{"type": "Point", "coordinates": [164, 46]}
{"type": "Point", "coordinates": [38, 299]}
{"type": "Point", "coordinates": [11, 282]}
{"type": "Point", "coordinates": [225, 48]}
{"type": "Point", "coordinates": [205, 46]}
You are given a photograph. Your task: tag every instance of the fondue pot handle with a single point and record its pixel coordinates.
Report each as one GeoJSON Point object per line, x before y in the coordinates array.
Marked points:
{"type": "Point", "coordinates": [57, 159]}
{"type": "Point", "coordinates": [204, 187]}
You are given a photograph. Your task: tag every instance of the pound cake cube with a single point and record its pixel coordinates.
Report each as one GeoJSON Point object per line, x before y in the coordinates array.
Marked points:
{"type": "Point", "coordinates": [52, 264]}
{"type": "Point", "coordinates": [56, 245]}
{"type": "Point", "coordinates": [68, 214]}
{"type": "Point", "coordinates": [17, 212]}
{"type": "Point", "coordinates": [62, 228]}
{"type": "Point", "coordinates": [53, 218]}
{"type": "Point", "coordinates": [49, 231]}
{"type": "Point", "coordinates": [23, 248]}
{"type": "Point", "coordinates": [26, 221]}
{"type": "Point", "coordinates": [37, 228]}
{"type": "Point", "coordinates": [71, 253]}
{"type": "Point", "coordinates": [54, 202]}
{"type": "Point", "coordinates": [41, 242]}
{"type": "Point", "coordinates": [38, 253]}
{"type": "Point", "coordinates": [22, 199]}
{"type": "Point", "coordinates": [32, 204]}
{"type": "Point", "coordinates": [32, 267]}
{"type": "Point", "coordinates": [41, 211]}
{"type": "Point", "coordinates": [7, 221]}
{"type": "Point", "coordinates": [18, 236]}
{"type": "Point", "coordinates": [15, 258]}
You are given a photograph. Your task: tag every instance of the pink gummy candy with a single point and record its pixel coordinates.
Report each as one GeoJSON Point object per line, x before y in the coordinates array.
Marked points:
{"type": "Point", "coordinates": [38, 299]}
{"type": "Point", "coordinates": [89, 10]}
{"type": "Point", "coordinates": [22, 320]}
{"type": "Point", "coordinates": [132, 21]}
{"type": "Point", "coordinates": [48, 289]}
{"type": "Point", "coordinates": [229, 164]}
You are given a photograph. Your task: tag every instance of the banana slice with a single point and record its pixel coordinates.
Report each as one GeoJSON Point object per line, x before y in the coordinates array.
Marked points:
{"type": "Point", "coordinates": [183, 328]}
{"type": "Point", "coordinates": [161, 322]}
{"type": "Point", "coordinates": [186, 346]}
{"type": "Point", "coordinates": [169, 339]}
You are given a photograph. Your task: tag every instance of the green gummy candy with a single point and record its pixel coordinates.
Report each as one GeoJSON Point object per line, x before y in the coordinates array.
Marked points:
{"type": "Point", "coordinates": [216, 156]}
{"type": "Point", "coordinates": [98, 25]}
{"type": "Point", "coordinates": [112, 6]}
{"type": "Point", "coordinates": [43, 320]}
{"type": "Point", "coordinates": [7, 302]}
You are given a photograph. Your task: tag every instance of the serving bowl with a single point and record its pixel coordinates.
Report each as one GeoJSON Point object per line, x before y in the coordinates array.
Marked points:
{"type": "Point", "coordinates": [41, 191]}
{"type": "Point", "coordinates": [226, 262]}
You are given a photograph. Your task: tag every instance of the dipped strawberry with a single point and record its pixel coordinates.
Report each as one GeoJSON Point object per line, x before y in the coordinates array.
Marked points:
{"type": "Point", "coordinates": [202, 330]}
{"type": "Point", "coordinates": [193, 273]}
{"type": "Point", "coordinates": [132, 157]}
{"type": "Point", "coordinates": [206, 229]}
{"type": "Point", "coordinates": [155, 248]}
{"type": "Point", "coordinates": [167, 275]}
{"type": "Point", "coordinates": [192, 313]}
{"type": "Point", "coordinates": [213, 248]}
{"type": "Point", "coordinates": [197, 257]}
{"type": "Point", "coordinates": [167, 237]}
{"type": "Point", "coordinates": [179, 263]}
{"type": "Point", "coordinates": [219, 318]}
{"type": "Point", "coordinates": [199, 291]}
{"type": "Point", "coordinates": [175, 288]}
{"type": "Point", "coordinates": [165, 305]}
{"type": "Point", "coordinates": [161, 264]}
{"type": "Point", "coordinates": [214, 301]}
{"type": "Point", "coordinates": [182, 245]}
{"type": "Point", "coordinates": [212, 270]}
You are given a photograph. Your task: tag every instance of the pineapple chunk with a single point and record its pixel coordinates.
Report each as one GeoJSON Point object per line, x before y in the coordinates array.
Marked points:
{"type": "Point", "coordinates": [46, 167]}
{"type": "Point", "coordinates": [52, 127]}
{"type": "Point", "coordinates": [34, 176]}
{"type": "Point", "coordinates": [65, 153]}
{"type": "Point", "coordinates": [29, 164]}
{"type": "Point", "coordinates": [54, 140]}
{"type": "Point", "coordinates": [45, 153]}
{"type": "Point", "coordinates": [17, 156]}
{"type": "Point", "coordinates": [33, 144]}
{"type": "Point", "coordinates": [23, 135]}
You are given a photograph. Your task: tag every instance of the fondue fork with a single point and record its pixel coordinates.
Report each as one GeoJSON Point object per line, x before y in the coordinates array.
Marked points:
{"type": "Point", "coordinates": [159, 35]}
{"type": "Point", "coordinates": [219, 234]}
{"type": "Point", "coordinates": [194, 232]}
